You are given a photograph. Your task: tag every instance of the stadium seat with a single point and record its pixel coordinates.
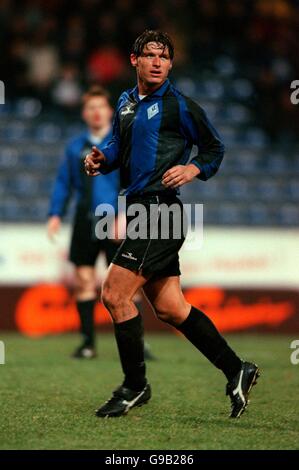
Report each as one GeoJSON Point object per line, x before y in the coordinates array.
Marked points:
{"type": "Point", "coordinates": [289, 214]}
{"type": "Point", "coordinates": [259, 214]}
{"type": "Point", "coordinates": [48, 132]}
{"type": "Point", "coordinates": [9, 157]}
{"type": "Point", "coordinates": [241, 89]}
{"type": "Point", "coordinates": [16, 131]}
{"type": "Point", "coordinates": [224, 66]}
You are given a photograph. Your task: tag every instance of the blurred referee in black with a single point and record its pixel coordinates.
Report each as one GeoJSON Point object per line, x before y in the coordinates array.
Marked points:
{"type": "Point", "coordinates": [85, 247]}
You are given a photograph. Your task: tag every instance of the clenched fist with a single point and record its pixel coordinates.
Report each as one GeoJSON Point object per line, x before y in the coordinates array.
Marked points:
{"type": "Point", "coordinates": [93, 160]}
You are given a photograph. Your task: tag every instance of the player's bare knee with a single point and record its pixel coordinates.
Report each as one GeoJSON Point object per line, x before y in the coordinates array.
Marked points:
{"type": "Point", "coordinates": [164, 312]}
{"type": "Point", "coordinates": [107, 297]}
{"type": "Point", "coordinates": [111, 298]}
{"type": "Point", "coordinates": [85, 284]}
{"type": "Point", "coordinates": [173, 314]}
{"type": "Point", "coordinates": [167, 316]}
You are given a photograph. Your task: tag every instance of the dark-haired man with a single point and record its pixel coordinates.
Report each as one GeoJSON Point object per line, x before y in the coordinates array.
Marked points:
{"type": "Point", "coordinates": [155, 127]}
{"type": "Point", "coordinates": [85, 246]}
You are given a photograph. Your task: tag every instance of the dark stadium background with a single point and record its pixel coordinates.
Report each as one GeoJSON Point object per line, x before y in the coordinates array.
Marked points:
{"type": "Point", "coordinates": [238, 59]}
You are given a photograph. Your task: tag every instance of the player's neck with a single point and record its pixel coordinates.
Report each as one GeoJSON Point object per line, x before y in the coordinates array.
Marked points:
{"type": "Point", "coordinates": [99, 132]}
{"type": "Point", "coordinates": [145, 89]}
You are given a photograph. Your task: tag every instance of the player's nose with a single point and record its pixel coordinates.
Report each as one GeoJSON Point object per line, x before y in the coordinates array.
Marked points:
{"type": "Point", "coordinates": [157, 62]}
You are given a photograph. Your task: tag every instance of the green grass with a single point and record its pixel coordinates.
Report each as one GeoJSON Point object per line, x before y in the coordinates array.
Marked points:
{"type": "Point", "coordinates": [48, 400]}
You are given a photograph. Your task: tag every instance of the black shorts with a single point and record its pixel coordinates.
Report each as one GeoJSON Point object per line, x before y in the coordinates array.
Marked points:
{"type": "Point", "coordinates": [155, 255]}
{"type": "Point", "coordinates": [85, 247]}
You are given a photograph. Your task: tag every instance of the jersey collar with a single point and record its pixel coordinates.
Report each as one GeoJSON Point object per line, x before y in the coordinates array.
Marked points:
{"type": "Point", "coordinates": [157, 93]}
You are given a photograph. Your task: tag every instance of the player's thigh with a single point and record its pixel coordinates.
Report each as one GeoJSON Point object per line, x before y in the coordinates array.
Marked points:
{"type": "Point", "coordinates": [167, 299]}
{"type": "Point", "coordinates": [122, 283]}
{"type": "Point", "coordinates": [85, 275]}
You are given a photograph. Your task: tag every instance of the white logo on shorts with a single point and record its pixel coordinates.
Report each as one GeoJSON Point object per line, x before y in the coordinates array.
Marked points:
{"type": "Point", "coordinates": [129, 256]}
{"type": "Point", "coordinates": [152, 110]}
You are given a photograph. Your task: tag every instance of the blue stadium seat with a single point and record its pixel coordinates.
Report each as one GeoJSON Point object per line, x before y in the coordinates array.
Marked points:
{"type": "Point", "coordinates": [237, 187]}
{"type": "Point", "coordinates": [16, 131]}
{"type": "Point", "coordinates": [293, 188]}
{"type": "Point", "coordinates": [9, 157]}
{"type": "Point", "coordinates": [269, 189]}
{"type": "Point", "coordinates": [289, 214]}
{"type": "Point", "coordinates": [230, 214]}
{"type": "Point", "coordinates": [241, 89]}
{"type": "Point", "coordinates": [213, 89]}
{"type": "Point", "coordinates": [48, 132]}
{"type": "Point", "coordinates": [225, 66]}
{"type": "Point", "coordinates": [45, 185]}
{"type": "Point", "coordinates": [228, 134]}
{"type": "Point", "coordinates": [24, 184]}
{"type": "Point", "coordinates": [255, 137]}
{"type": "Point", "coordinates": [259, 214]}
{"type": "Point", "coordinates": [277, 163]}
{"type": "Point", "coordinates": [244, 161]}
{"type": "Point", "coordinates": [28, 108]}
{"type": "Point", "coordinates": [237, 114]}
{"type": "Point", "coordinates": [187, 86]}
{"type": "Point", "coordinates": [10, 207]}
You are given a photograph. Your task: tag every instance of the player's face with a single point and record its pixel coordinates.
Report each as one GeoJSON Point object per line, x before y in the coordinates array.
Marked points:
{"type": "Point", "coordinates": [97, 112]}
{"type": "Point", "coordinates": [153, 65]}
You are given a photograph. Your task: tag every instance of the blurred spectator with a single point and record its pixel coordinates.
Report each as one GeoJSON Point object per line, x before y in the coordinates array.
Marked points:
{"type": "Point", "coordinates": [259, 36]}
{"type": "Point", "coordinates": [67, 91]}
{"type": "Point", "coordinates": [43, 61]}
{"type": "Point", "coordinates": [106, 64]}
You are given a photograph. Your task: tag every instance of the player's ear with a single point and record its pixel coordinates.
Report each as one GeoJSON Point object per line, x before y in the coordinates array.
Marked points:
{"type": "Point", "coordinates": [133, 60]}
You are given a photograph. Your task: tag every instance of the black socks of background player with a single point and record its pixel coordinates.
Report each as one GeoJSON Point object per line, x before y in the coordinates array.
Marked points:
{"type": "Point", "coordinates": [129, 339]}
{"type": "Point", "coordinates": [85, 310]}
{"type": "Point", "coordinates": [201, 332]}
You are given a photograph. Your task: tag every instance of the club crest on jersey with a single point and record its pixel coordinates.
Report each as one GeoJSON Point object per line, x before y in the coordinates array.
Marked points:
{"type": "Point", "coordinates": [152, 110]}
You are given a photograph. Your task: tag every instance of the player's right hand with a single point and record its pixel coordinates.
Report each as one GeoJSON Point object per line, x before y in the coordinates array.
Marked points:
{"type": "Point", "coordinates": [92, 161]}
{"type": "Point", "coordinates": [53, 226]}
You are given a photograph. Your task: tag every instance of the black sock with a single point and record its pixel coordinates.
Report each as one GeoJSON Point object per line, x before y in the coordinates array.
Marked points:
{"type": "Point", "coordinates": [201, 332]}
{"type": "Point", "coordinates": [129, 338]}
{"type": "Point", "coordinates": [85, 309]}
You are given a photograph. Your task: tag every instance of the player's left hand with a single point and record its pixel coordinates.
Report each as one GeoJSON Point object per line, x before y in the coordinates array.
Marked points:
{"type": "Point", "coordinates": [179, 175]}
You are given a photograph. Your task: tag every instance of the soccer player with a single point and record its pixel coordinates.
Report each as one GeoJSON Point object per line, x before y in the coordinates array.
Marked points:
{"type": "Point", "coordinates": [154, 129]}
{"type": "Point", "coordinates": [85, 246]}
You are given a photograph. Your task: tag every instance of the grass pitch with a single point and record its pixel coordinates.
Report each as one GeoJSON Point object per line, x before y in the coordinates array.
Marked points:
{"type": "Point", "coordinates": [48, 400]}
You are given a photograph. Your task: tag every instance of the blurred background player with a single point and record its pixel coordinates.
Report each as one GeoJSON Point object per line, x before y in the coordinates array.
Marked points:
{"type": "Point", "coordinates": [85, 246]}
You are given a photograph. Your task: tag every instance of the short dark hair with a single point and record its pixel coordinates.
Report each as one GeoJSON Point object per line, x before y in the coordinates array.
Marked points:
{"type": "Point", "coordinates": [95, 90]}
{"type": "Point", "coordinates": [152, 36]}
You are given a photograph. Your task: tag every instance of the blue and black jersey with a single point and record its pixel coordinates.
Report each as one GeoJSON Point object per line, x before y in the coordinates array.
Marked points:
{"type": "Point", "coordinates": [90, 192]}
{"type": "Point", "coordinates": [153, 134]}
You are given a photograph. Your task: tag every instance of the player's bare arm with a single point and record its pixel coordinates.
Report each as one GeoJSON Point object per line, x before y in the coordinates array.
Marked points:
{"type": "Point", "coordinates": [53, 226]}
